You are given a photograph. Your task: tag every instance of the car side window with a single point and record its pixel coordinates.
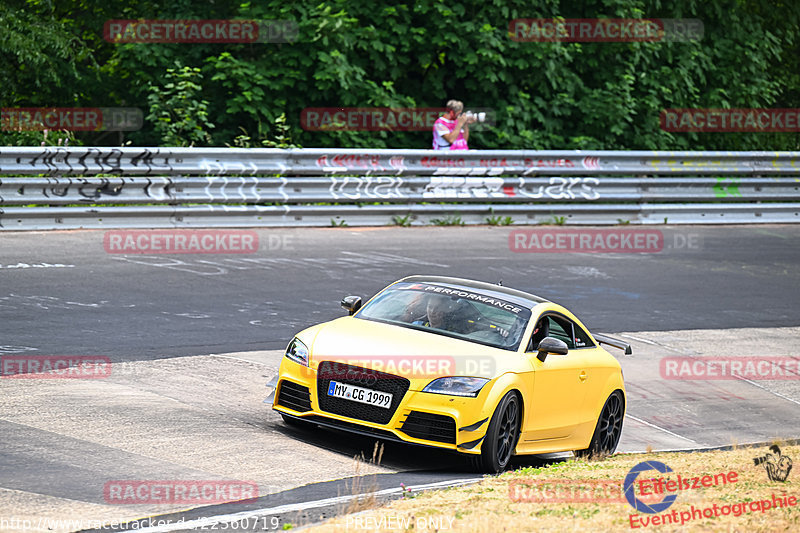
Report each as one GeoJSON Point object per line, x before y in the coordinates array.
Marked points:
{"type": "Point", "coordinates": [581, 337]}
{"type": "Point", "coordinates": [551, 326]}
{"type": "Point", "coordinates": [561, 329]}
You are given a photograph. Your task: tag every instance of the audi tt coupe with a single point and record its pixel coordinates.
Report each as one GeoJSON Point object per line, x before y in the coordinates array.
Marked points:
{"type": "Point", "coordinates": [473, 367]}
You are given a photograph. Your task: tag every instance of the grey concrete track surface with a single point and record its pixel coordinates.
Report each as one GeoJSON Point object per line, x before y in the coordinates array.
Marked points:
{"type": "Point", "coordinates": [202, 418]}
{"type": "Point", "coordinates": [61, 293]}
{"type": "Point", "coordinates": [160, 416]}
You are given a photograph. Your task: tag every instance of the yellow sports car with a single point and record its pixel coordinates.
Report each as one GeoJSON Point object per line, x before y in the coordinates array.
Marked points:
{"type": "Point", "coordinates": [473, 367]}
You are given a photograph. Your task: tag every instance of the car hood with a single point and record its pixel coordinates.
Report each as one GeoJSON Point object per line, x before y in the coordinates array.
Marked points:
{"type": "Point", "coordinates": [418, 355]}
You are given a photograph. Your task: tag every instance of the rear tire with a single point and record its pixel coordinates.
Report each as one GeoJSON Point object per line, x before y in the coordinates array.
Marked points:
{"type": "Point", "coordinates": [608, 429]}
{"type": "Point", "coordinates": [501, 436]}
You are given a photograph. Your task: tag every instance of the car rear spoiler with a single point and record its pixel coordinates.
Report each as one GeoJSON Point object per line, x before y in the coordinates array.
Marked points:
{"type": "Point", "coordinates": [616, 343]}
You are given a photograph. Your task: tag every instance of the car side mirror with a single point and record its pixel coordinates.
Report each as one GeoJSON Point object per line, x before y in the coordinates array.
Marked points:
{"type": "Point", "coordinates": [551, 345]}
{"type": "Point", "coordinates": [351, 304]}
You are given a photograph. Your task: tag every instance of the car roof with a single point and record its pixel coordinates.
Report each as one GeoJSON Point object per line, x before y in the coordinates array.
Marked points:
{"type": "Point", "coordinates": [489, 289]}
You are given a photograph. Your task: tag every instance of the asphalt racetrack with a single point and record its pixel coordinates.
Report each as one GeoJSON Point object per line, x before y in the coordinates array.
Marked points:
{"type": "Point", "coordinates": [194, 339]}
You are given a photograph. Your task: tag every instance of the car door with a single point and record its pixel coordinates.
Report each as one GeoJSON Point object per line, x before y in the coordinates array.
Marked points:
{"type": "Point", "coordinates": [560, 382]}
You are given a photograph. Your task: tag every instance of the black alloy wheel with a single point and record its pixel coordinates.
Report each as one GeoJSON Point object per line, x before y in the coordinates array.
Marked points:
{"type": "Point", "coordinates": [501, 436]}
{"type": "Point", "coordinates": [608, 429]}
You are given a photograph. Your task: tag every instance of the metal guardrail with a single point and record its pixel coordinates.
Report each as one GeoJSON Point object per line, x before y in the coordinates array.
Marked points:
{"type": "Point", "coordinates": [298, 190]}
{"type": "Point", "coordinates": [184, 187]}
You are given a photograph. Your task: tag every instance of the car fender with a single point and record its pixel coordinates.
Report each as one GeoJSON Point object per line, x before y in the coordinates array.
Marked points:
{"type": "Point", "coordinates": [490, 399]}
{"type": "Point", "coordinates": [613, 382]}
{"type": "Point", "coordinates": [501, 386]}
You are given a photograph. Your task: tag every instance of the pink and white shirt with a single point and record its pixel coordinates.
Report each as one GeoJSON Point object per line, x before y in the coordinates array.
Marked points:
{"type": "Point", "coordinates": [442, 127]}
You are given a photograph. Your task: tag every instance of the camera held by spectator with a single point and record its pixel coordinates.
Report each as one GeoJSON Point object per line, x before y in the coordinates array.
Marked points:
{"type": "Point", "coordinates": [475, 117]}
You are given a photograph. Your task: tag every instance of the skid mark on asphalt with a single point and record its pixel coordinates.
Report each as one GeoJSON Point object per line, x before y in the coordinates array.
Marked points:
{"type": "Point", "coordinates": [9, 349]}
{"type": "Point", "coordinates": [17, 301]}
{"type": "Point", "coordinates": [331, 267]}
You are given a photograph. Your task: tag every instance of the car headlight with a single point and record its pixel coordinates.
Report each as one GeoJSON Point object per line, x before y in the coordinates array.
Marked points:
{"type": "Point", "coordinates": [297, 352]}
{"type": "Point", "coordinates": [456, 386]}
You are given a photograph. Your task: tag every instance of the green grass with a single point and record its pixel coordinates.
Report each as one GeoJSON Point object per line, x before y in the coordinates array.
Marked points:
{"type": "Point", "coordinates": [497, 220]}
{"type": "Point", "coordinates": [451, 220]}
{"type": "Point", "coordinates": [403, 221]}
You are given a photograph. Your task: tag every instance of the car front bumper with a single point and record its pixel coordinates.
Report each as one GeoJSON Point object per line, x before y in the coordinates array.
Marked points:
{"type": "Point", "coordinates": [428, 419]}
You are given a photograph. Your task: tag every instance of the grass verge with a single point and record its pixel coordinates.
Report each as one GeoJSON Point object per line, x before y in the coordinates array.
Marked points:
{"type": "Point", "coordinates": [579, 495]}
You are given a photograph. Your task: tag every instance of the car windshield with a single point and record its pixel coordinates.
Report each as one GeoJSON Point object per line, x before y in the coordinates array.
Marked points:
{"type": "Point", "coordinates": [455, 312]}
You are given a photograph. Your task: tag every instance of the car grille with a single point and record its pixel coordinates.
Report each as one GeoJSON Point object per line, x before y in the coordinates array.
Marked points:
{"type": "Point", "coordinates": [428, 426]}
{"type": "Point", "coordinates": [362, 377]}
{"type": "Point", "coordinates": [294, 396]}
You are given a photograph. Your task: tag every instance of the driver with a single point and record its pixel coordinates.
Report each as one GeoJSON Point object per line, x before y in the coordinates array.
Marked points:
{"type": "Point", "coordinates": [454, 315]}
{"type": "Point", "coordinates": [438, 312]}
{"type": "Point", "coordinates": [541, 331]}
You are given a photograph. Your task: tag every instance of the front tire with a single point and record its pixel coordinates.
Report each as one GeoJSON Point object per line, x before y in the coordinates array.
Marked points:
{"type": "Point", "coordinates": [501, 436]}
{"type": "Point", "coordinates": [608, 429]}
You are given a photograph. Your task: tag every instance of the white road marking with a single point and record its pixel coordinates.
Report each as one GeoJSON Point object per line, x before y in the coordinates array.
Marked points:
{"type": "Point", "coordinates": [238, 359]}
{"type": "Point", "coordinates": [778, 394]}
{"type": "Point", "coordinates": [37, 265]}
{"type": "Point", "coordinates": [302, 506]}
{"type": "Point", "coordinates": [638, 339]}
{"type": "Point", "coordinates": [661, 429]}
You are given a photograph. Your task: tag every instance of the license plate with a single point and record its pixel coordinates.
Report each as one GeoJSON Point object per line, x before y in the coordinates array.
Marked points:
{"type": "Point", "coordinates": [360, 394]}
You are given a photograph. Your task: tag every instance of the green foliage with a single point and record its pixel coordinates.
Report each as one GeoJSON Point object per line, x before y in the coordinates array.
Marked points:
{"type": "Point", "coordinates": [179, 116]}
{"type": "Point", "coordinates": [41, 56]}
{"type": "Point", "coordinates": [38, 138]}
{"type": "Point", "coordinates": [555, 221]}
{"type": "Point", "coordinates": [404, 221]}
{"type": "Point", "coordinates": [497, 220]}
{"type": "Point", "coordinates": [283, 137]}
{"type": "Point", "coordinates": [338, 224]}
{"type": "Point", "coordinates": [358, 53]}
{"type": "Point", "coordinates": [450, 220]}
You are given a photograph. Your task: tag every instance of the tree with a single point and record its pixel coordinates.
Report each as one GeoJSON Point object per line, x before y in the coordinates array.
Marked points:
{"type": "Point", "coordinates": [356, 53]}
